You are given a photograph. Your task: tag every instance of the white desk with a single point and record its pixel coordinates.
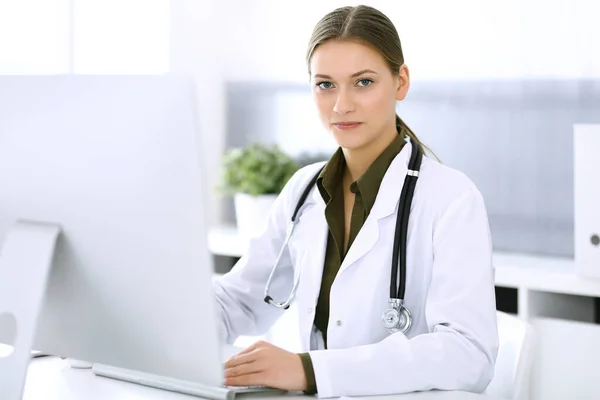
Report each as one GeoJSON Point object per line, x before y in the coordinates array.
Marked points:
{"type": "Point", "coordinates": [51, 378]}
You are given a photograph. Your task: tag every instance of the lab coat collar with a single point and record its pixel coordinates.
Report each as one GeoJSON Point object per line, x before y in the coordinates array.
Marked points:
{"type": "Point", "coordinates": [385, 205]}
{"type": "Point", "coordinates": [388, 196]}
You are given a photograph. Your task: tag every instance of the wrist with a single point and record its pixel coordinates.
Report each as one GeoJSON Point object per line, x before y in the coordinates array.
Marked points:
{"type": "Point", "coordinates": [309, 382]}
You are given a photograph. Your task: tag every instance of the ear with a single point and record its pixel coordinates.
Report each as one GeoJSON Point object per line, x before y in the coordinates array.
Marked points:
{"type": "Point", "coordinates": [403, 82]}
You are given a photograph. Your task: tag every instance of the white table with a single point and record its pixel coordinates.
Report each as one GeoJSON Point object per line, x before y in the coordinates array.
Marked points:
{"type": "Point", "coordinates": [50, 378]}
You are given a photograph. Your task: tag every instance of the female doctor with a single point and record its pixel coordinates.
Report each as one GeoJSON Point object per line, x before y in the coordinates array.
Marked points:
{"type": "Point", "coordinates": [389, 258]}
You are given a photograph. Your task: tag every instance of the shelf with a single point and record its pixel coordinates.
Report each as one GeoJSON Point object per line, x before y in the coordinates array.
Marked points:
{"type": "Point", "coordinates": [543, 273]}
{"type": "Point", "coordinates": [513, 270]}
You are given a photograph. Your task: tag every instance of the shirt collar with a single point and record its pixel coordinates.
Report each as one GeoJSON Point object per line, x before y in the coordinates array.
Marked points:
{"type": "Point", "coordinates": [331, 176]}
{"type": "Point", "coordinates": [367, 185]}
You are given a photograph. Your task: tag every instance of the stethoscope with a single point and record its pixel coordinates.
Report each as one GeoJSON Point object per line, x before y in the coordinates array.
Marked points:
{"type": "Point", "coordinates": [396, 318]}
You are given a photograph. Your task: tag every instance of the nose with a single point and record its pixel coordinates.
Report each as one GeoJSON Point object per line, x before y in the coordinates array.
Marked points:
{"type": "Point", "coordinates": [344, 103]}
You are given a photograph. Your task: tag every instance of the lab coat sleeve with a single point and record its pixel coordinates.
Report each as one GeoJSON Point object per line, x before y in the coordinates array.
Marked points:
{"type": "Point", "coordinates": [240, 293]}
{"type": "Point", "coordinates": [459, 352]}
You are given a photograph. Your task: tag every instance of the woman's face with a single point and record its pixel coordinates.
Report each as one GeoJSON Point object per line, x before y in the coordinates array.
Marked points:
{"type": "Point", "coordinates": [355, 92]}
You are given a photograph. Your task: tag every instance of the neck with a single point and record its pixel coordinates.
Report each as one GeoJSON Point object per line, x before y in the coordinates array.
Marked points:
{"type": "Point", "coordinates": [360, 159]}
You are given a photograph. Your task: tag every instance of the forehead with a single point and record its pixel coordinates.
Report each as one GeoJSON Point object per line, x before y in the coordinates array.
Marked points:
{"type": "Point", "coordinates": [343, 58]}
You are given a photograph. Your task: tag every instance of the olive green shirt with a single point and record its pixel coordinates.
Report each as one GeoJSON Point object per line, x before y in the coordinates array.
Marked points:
{"type": "Point", "coordinates": [365, 190]}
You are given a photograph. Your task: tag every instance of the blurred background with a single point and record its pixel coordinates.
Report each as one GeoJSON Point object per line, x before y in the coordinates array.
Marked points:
{"type": "Point", "coordinates": [496, 89]}
{"type": "Point", "coordinates": [496, 85]}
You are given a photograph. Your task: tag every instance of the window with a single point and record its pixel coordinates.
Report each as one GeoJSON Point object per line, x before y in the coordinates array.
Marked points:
{"type": "Point", "coordinates": [34, 37]}
{"type": "Point", "coordinates": [121, 36]}
{"type": "Point", "coordinates": [45, 37]}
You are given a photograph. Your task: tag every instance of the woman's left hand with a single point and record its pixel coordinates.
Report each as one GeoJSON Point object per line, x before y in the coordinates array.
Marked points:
{"type": "Point", "coordinates": [264, 364]}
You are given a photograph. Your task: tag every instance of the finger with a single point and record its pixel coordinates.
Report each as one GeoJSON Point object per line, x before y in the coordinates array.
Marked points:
{"type": "Point", "coordinates": [252, 347]}
{"type": "Point", "coordinates": [244, 351]}
{"type": "Point", "coordinates": [255, 379]}
{"type": "Point", "coordinates": [244, 369]}
{"type": "Point", "coordinates": [243, 359]}
{"type": "Point", "coordinates": [249, 350]}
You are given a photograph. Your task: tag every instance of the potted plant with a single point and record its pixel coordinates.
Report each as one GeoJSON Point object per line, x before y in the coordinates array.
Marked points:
{"type": "Point", "coordinates": [255, 175]}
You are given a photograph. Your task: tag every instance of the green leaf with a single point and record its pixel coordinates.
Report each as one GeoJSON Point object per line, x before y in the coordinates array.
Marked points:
{"type": "Point", "coordinates": [256, 169]}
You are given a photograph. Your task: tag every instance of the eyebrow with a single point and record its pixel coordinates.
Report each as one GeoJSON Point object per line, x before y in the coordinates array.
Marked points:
{"type": "Point", "coordinates": [354, 75]}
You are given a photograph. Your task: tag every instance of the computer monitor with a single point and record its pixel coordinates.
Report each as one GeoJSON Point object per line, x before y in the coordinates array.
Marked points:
{"type": "Point", "coordinates": [114, 161]}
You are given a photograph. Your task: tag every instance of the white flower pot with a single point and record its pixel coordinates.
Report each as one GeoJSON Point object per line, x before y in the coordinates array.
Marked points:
{"type": "Point", "coordinates": [251, 213]}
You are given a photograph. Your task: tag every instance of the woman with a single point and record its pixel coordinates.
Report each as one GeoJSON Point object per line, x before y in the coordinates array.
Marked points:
{"type": "Point", "coordinates": [344, 245]}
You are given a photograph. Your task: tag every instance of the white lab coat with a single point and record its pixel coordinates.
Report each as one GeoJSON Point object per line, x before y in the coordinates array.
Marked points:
{"type": "Point", "coordinates": [453, 342]}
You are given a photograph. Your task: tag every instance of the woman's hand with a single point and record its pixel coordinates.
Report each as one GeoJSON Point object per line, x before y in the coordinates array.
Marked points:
{"type": "Point", "coordinates": [264, 364]}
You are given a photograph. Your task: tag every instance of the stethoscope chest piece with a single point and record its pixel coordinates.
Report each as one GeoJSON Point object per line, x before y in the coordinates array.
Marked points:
{"type": "Point", "coordinates": [397, 318]}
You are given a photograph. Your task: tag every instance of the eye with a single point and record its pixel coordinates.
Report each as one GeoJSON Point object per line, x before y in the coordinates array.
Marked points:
{"type": "Point", "coordinates": [364, 82]}
{"type": "Point", "coordinates": [325, 85]}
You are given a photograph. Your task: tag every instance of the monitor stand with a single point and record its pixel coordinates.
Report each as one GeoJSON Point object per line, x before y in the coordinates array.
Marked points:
{"type": "Point", "coordinates": [25, 262]}
{"type": "Point", "coordinates": [6, 350]}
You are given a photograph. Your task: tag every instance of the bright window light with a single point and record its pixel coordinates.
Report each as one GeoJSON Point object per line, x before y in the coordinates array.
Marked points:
{"type": "Point", "coordinates": [34, 37]}
{"type": "Point", "coordinates": [121, 36]}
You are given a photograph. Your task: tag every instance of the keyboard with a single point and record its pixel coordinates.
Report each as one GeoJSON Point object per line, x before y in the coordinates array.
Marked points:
{"type": "Point", "coordinates": [179, 386]}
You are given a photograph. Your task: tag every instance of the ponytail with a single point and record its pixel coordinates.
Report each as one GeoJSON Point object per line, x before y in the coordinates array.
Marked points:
{"type": "Point", "coordinates": [402, 128]}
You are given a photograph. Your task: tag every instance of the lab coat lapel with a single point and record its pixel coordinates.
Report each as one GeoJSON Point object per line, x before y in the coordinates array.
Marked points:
{"type": "Point", "coordinates": [314, 234]}
{"type": "Point", "coordinates": [385, 205]}
{"type": "Point", "coordinates": [364, 241]}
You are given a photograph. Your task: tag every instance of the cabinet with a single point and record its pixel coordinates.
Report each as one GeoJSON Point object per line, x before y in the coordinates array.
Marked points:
{"type": "Point", "coordinates": [545, 291]}
{"type": "Point", "coordinates": [563, 309]}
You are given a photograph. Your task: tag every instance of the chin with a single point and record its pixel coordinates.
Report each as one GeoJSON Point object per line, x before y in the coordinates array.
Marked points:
{"type": "Point", "coordinates": [350, 140]}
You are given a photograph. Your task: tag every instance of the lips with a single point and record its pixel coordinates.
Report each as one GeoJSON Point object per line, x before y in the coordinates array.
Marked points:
{"type": "Point", "coordinates": [347, 125]}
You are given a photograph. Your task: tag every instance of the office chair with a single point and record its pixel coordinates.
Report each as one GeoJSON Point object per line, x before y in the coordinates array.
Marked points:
{"type": "Point", "coordinates": [515, 359]}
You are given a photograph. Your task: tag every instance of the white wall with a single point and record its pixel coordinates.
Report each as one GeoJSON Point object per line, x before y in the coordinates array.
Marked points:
{"type": "Point", "coordinates": [460, 39]}
{"type": "Point", "coordinates": [196, 51]}
{"type": "Point", "coordinates": [264, 41]}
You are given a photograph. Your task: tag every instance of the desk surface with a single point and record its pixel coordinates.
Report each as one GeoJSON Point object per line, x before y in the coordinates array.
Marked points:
{"type": "Point", "coordinates": [50, 378]}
